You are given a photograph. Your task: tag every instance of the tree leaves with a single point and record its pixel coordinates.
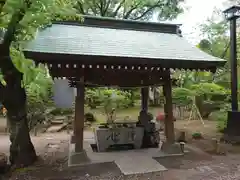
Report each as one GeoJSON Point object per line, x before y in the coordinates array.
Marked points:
{"type": "Point", "coordinates": [217, 43]}
{"type": "Point", "coordinates": [36, 14]}
{"type": "Point", "coordinates": [131, 9]}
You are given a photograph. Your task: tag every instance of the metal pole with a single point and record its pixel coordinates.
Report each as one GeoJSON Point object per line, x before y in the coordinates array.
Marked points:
{"type": "Point", "coordinates": [233, 54]}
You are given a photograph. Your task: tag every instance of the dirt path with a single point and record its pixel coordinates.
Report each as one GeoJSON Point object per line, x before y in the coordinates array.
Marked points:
{"type": "Point", "coordinates": [53, 150]}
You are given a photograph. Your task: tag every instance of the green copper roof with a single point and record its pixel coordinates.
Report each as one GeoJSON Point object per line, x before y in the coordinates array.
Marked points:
{"type": "Point", "coordinates": [116, 42]}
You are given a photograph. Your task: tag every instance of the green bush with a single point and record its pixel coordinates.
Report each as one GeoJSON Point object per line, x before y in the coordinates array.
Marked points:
{"type": "Point", "coordinates": [92, 97]}
{"type": "Point", "coordinates": [197, 135]}
{"type": "Point", "coordinates": [182, 96]}
{"type": "Point", "coordinates": [89, 117]}
{"type": "Point", "coordinates": [221, 118]}
{"type": "Point", "coordinates": [61, 111]}
{"type": "Point", "coordinates": [209, 97]}
{"type": "Point", "coordinates": [133, 94]}
{"type": "Point", "coordinates": [208, 89]}
{"type": "Point", "coordinates": [36, 110]}
{"type": "Point", "coordinates": [114, 98]}
{"type": "Point", "coordinates": [39, 95]}
{"type": "Point", "coordinates": [101, 96]}
{"type": "Point", "coordinates": [37, 105]}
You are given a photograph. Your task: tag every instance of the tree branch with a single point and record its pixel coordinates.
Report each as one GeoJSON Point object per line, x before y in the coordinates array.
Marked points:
{"type": "Point", "coordinates": [118, 8]}
{"type": "Point", "coordinates": [11, 30]}
{"type": "Point", "coordinates": [101, 7]}
{"type": "Point", "coordinates": [107, 6]}
{"type": "Point", "coordinates": [94, 10]}
{"type": "Point", "coordinates": [150, 8]}
{"type": "Point", "coordinates": [9, 35]}
{"type": "Point", "coordinates": [146, 12]}
{"type": "Point", "coordinates": [126, 16]}
{"type": "Point", "coordinates": [81, 9]}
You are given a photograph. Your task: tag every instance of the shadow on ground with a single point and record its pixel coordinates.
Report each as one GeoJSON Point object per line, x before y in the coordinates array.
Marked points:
{"type": "Point", "coordinates": [72, 173]}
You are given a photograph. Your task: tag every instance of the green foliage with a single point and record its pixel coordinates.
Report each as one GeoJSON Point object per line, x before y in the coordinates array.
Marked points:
{"type": "Point", "coordinates": [187, 78]}
{"type": "Point", "coordinates": [133, 95]}
{"type": "Point", "coordinates": [36, 110]}
{"type": "Point", "coordinates": [61, 111]}
{"type": "Point", "coordinates": [208, 89]}
{"type": "Point", "coordinates": [182, 96]}
{"type": "Point", "coordinates": [221, 118]}
{"type": "Point", "coordinates": [36, 79]}
{"type": "Point", "coordinates": [113, 98]}
{"type": "Point", "coordinates": [105, 96]}
{"type": "Point", "coordinates": [217, 43]}
{"type": "Point", "coordinates": [89, 117]}
{"type": "Point", "coordinates": [216, 37]}
{"type": "Point", "coordinates": [39, 95]}
{"type": "Point", "coordinates": [197, 135]}
{"type": "Point", "coordinates": [92, 98]}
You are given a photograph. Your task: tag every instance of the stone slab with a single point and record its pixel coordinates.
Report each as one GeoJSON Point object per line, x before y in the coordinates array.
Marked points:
{"type": "Point", "coordinates": [129, 162]}
{"type": "Point", "coordinates": [138, 164]}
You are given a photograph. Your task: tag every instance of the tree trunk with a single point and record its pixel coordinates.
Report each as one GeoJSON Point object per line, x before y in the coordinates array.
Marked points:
{"type": "Point", "coordinates": [13, 97]}
{"type": "Point", "coordinates": [22, 152]}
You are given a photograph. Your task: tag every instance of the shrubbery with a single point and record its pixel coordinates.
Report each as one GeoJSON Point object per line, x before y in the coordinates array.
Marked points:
{"type": "Point", "coordinates": [209, 98]}
{"type": "Point", "coordinates": [104, 96]}
{"type": "Point", "coordinates": [39, 97]}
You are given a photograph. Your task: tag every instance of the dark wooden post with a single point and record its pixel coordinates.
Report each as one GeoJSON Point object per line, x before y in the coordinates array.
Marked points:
{"type": "Point", "coordinates": [79, 116]}
{"type": "Point", "coordinates": [168, 110]}
{"type": "Point", "coordinates": [144, 99]}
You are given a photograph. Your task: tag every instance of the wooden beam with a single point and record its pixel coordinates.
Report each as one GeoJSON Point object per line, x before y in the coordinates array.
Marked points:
{"type": "Point", "coordinates": [168, 110]}
{"type": "Point", "coordinates": [79, 117]}
{"type": "Point", "coordinates": [76, 70]}
{"type": "Point", "coordinates": [97, 59]}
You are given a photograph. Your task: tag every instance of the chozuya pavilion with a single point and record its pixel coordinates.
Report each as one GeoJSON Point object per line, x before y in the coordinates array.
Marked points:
{"type": "Point", "coordinates": [124, 53]}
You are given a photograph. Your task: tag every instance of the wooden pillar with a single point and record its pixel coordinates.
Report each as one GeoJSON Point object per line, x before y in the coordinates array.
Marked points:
{"type": "Point", "coordinates": [144, 99]}
{"type": "Point", "coordinates": [79, 116]}
{"type": "Point", "coordinates": [168, 109]}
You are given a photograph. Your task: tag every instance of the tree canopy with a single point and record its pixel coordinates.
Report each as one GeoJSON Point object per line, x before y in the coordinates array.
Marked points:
{"type": "Point", "coordinates": [21, 79]}
{"type": "Point", "coordinates": [131, 9]}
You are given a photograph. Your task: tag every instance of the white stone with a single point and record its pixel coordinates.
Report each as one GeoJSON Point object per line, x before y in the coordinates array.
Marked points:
{"type": "Point", "coordinates": [106, 137]}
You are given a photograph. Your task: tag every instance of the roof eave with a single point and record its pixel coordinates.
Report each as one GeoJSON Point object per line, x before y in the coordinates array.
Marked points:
{"type": "Point", "coordinates": [94, 59]}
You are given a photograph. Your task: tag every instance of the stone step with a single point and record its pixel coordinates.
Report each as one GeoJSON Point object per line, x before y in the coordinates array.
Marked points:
{"type": "Point", "coordinates": [55, 122]}
{"type": "Point", "coordinates": [138, 164]}
{"type": "Point", "coordinates": [58, 120]}
{"type": "Point", "coordinates": [56, 128]}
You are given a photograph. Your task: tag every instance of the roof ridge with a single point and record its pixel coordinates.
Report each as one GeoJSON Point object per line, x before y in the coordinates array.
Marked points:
{"type": "Point", "coordinates": [107, 22]}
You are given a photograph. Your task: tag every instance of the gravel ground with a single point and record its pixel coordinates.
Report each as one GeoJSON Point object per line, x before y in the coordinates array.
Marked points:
{"type": "Point", "coordinates": [52, 165]}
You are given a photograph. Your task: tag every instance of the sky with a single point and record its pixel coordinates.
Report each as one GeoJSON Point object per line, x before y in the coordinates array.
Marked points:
{"type": "Point", "coordinates": [196, 13]}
